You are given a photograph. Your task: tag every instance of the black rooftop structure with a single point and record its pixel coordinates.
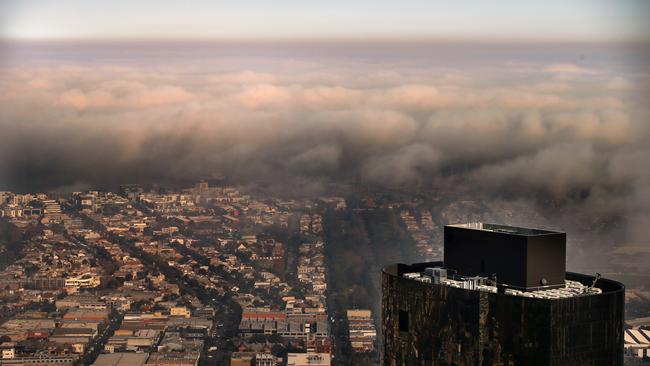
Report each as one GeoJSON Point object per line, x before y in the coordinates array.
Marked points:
{"type": "Point", "coordinates": [519, 258]}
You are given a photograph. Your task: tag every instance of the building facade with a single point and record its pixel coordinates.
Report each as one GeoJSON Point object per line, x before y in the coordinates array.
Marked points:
{"type": "Point", "coordinates": [431, 317]}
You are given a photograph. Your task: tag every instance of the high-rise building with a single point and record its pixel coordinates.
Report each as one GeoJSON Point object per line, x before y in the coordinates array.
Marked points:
{"type": "Point", "coordinates": [501, 297]}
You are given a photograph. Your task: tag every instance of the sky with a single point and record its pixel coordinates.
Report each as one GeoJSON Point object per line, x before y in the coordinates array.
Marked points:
{"type": "Point", "coordinates": [541, 20]}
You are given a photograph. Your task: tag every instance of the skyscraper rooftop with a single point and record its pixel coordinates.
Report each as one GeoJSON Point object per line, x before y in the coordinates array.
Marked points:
{"type": "Point", "coordinates": [502, 296]}
{"type": "Point", "coordinates": [506, 229]}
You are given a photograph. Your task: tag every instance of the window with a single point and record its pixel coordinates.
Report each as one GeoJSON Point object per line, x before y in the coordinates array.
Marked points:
{"type": "Point", "coordinates": [403, 321]}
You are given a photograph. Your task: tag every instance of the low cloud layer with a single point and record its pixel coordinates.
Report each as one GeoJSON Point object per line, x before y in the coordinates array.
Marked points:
{"type": "Point", "coordinates": [572, 129]}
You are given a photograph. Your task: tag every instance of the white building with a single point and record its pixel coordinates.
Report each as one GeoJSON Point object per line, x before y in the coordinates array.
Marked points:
{"type": "Point", "coordinates": [309, 359]}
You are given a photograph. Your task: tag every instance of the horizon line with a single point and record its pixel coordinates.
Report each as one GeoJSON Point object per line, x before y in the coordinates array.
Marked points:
{"type": "Point", "coordinates": [329, 40]}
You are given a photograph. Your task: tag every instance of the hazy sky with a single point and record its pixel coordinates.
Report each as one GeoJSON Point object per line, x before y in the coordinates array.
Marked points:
{"type": "Point", "coordinates": [591, 20]}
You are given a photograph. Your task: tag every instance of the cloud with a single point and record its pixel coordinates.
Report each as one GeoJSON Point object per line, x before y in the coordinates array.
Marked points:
{"type": "Point", "coordinates": [412, 97]}
{"type": "Point", "coordinates": [317, 159]}
{"type": "Point", "coordinates": [502, 128]}
{"type": "Point", "coordinates": [124, 95]}
{"type": "Point", "coordinates": [263, 96]}
{"type": "Point", "coordinates": [406, 165]}
{"type": "Point", "coordinates": [564, 68]}
{"type": "Point", "coordinates": [243, 77]}
{"type": "Point", "coordinates": [555, 170]}
{"type": "Point", "coordinates": [329, 97]}
{"type": "Point", "coordinates": [332, 123]}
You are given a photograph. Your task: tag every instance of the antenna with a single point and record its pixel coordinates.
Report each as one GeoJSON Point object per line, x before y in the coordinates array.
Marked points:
{"type": "Point", "coordinates": [595, 280]}
{"type": "Point", "coordinates": [593, 284]}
